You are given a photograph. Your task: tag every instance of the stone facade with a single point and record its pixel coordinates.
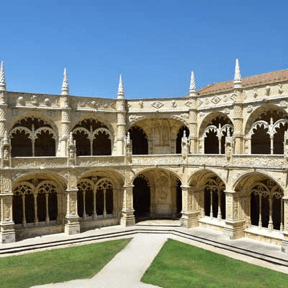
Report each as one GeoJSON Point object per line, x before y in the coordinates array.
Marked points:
{"type": "Point", "coordinates": [215, 158]}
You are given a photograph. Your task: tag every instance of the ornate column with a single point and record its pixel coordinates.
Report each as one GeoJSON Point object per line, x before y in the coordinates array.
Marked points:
{"type": "Point", "coordinates": [193, 115]}
{"type": "Point", "coordinates": [7, 234]}
{"type": "Point", "coordinates": [121, 118]}
{"type": "Point", "coordinates": [189, 217]}
{"type": "Point", "coordinates": [284, 247]}
{"type": "Point", "coordinates": [3, 105]}
{"type": "Point", "coordinates": [127, 219]}
{"type": "Point", "coordinates": [234, 227]}
{"type": "Point", "coordinates": [36, 221]}
{"type": "Point", "coordinates": [72, 225]}
{"type": "Point", "coordinates": [65, 115]}
{"type": "Point", "coordinates": [238, 111]}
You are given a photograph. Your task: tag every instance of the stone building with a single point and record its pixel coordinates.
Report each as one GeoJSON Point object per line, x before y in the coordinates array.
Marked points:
{"type": "Point", "coordinates": [215, 158]}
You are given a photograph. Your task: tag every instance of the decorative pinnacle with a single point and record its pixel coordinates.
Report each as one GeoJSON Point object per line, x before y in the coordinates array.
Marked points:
{"type": "Point", "coordinates": [120, 89]}
{"type": "Point", "coordinates": [192, 90]}
{"type": "Point", "coordinates": [237, 76]}
{"type": "Point", "coordinates": [2, 78]}
{"type": "Point", "coordinates": [65, 86]}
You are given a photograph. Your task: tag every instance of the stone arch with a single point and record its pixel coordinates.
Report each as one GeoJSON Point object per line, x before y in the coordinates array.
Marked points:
{"type": "Point", "coordinates": [139, 140]}
{"type": "Point", "coordinates": [22, 207]}
{"type": "Point", "coordinates": [213, 131]}
{"type": "Point", "coordinates": [162, 189]}
{"type": "Point", "coordinates": [59, 179]}
{"type": "Point", "coordinates": [33, 136]}
{"type": "Point", "coordinates": [43, 205]}
{"type": "Point", "coordinates": [264, 130]}
{"type": "Point", "coordinates": [261, 201]}
{"type": "Point", "coordinates": [115, 176]}
{"type": "Point", "coordinates": [35, 114]}
{"type": "Point", "coordinates": [134, 120]}
{"type": "Point", "coordinates": [84, 197]}
{"type": "Point", "coordinates": [99, 118]}
{"type": "Point", "coordinates": [141, 197]}
{"type": "Point", "coordinates": [105, 202]}
{"type": "Point", "coordinates": [92, 137]}
{"type": "Point", "coordinates": [104, 196]}
{"type": "Point", "coordinates": [209, 194]}
{"type": "Point", "coordinates": [161, 133]}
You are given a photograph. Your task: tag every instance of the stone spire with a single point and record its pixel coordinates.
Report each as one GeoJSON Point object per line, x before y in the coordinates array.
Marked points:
{"type": "Point", "coordinates": [237, 77]}
{"type": "Point", "coordinates": [65, 86]}
{"type": "Point", "coordinates": [192, 90]}
{"type": "Point", "coordinates": [2, 78]}
{"type": "Point", "coordinates": [120, 89]}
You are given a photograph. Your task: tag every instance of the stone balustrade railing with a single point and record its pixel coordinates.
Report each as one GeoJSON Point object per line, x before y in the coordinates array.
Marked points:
{"type": "Point", "coordinates": [243, 160]}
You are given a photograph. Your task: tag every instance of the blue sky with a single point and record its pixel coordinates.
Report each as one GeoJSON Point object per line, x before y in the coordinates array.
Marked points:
{"type": "Point", "coordinates": [154, 43]}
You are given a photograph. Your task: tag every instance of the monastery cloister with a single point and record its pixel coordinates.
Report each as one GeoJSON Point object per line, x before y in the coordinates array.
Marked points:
{"type": "Point", "coordinates": [216, 158]}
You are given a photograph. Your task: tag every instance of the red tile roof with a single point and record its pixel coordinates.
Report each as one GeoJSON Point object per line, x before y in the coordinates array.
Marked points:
{"type": "Point", "coordinates": [257, 80]}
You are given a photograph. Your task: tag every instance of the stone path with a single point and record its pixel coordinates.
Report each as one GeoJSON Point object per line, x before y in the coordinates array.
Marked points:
{"type": "Point", "coordinates": [125, 269]}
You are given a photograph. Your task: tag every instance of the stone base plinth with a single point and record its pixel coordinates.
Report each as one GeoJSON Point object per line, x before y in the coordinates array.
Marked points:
{"type": "Point", "coordinates": [7, 234]}
{"type": "Point", "coordinates": [127, 219]}
{"type": "Point", "coordinates": [72, 226]}
{"type": "Point", "coordinates": [284, 246]}
{"type": "Point", "coordinates": [234, 229]}
{"type": "Point", "coordinates": [189, 219]}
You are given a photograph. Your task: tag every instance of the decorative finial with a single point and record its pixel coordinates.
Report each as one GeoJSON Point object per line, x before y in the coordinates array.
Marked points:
{"type": "Point", "coordinates": [65, 86]}
{"type": "Point", "coordinates": [120, 89]}
{"type": "Point", "coordinates": [2, 78]}
{"type": "Point", "coordinates": [192, 90]}
{"type": "Point", "coordinates": [237, 76]}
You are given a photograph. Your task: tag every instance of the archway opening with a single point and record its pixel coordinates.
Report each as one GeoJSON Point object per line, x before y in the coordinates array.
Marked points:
{"type": "Point", "coordinates": [214, 199]}
{"type": "Point", "coordinates": [139, 141]}
{"type": "Point", "coordinates": [260, 141]}
{"type": "Point", "coordinates": [92, 138]}
{"type": "Point", "coordinates": [266, 207]}
{"type": "Point", "coordinates": [141, 198]}
{"type": "Point", "coordinates": [33, 137]}
{"type": "Point", "coordinates": [102, 144]}
{"type": "Point", "coordinates": [215, 133]}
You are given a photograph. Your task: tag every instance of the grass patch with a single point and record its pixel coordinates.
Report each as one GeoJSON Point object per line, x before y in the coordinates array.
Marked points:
{"type": "Point", "coordinates": [181, 265]}
{"type": "Point", "coordinates": [57, 265]}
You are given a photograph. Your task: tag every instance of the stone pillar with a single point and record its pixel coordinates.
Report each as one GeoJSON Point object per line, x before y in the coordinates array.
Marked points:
{"type": "Point", "coordinates": [65, 127]}
{"type": "Point", "coordinates": [193, 127]}
{"type": "Point", "coordinates": [238, 122]}
{"type": "Point", "coordinates": [128, 218]}
{"type": "Point", "coordinates": [7, 234]}
{"type": "Point", "coordinates": [234, 227]}
{"type": "Point", "coordinates": [189, 217]}
{"type": "Point", "coordinates": [72, 225]}
{"type": "Point", "coordinates": [121, 126]}
{"type": "Point", "coordinates": [284, 247]}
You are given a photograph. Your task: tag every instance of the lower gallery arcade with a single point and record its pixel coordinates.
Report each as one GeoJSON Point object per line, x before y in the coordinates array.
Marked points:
{"type": "Point", "coordinates": [254, 208]}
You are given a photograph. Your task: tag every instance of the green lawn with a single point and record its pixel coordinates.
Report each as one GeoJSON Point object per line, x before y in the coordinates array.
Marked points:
{"type": "Point", "coordinates": [57, 265]}
{"type": "Point", "coordinates": [181, 265]}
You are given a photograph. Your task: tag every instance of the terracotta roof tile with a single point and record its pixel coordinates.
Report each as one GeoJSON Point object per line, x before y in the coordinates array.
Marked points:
{"type": "Point", "coordinates": [257, 80]}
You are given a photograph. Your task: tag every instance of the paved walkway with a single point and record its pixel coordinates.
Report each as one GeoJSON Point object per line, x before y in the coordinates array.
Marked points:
{"type": "Point", "coordinates": [125, 269]}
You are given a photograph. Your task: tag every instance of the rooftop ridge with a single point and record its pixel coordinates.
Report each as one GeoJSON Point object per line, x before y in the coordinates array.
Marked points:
{"type": "Point", "coordinates": [279, 75]}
